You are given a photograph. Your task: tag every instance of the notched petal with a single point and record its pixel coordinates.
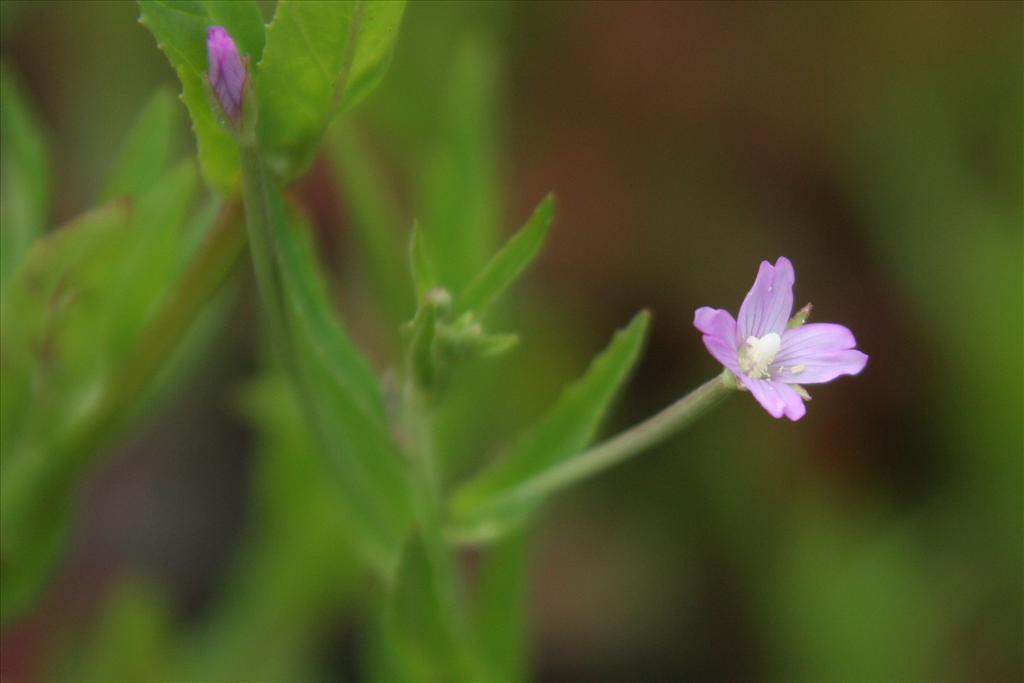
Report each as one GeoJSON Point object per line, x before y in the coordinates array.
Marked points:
{"type": "Point", "coordinates": [769, 303]}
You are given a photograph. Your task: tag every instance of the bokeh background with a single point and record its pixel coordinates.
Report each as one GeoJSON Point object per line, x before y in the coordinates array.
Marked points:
{"type": "Point", "coordinates": [877, 145]}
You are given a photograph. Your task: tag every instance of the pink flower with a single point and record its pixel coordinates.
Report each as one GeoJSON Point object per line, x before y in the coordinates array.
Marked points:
{"type": "Point", "coordinates": [228, 73]}
{"type": "Point", "coordinates": [769, 359]}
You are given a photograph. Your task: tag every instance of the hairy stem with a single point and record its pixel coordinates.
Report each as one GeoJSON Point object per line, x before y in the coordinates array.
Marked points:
{"type": "Point", "coordinates": [623, 446]}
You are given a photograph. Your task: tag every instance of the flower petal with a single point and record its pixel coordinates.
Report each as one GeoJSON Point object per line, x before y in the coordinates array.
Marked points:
{"type": "Point", "coordinates": [816, 353]}
{"type": "Point", "coordinates": [777, 398]}
{"type": "Point", "coordinates": [719, 330]}
{"type": "Point", "coordinates": [822, 367]}
{"type": "Point", "coordinates": [769, 302]}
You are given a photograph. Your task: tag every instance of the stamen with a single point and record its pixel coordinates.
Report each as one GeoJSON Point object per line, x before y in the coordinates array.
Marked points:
{"type": "Point", "coordinates": [757, 354]}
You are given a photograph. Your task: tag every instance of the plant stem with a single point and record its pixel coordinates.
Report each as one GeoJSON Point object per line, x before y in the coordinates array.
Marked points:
{"type": "Point", "coordinates": [445, 578]}
{"type": "Point", "coordinates": [259, 221]}
{"type": "Point", "coordinates": [623, 446]}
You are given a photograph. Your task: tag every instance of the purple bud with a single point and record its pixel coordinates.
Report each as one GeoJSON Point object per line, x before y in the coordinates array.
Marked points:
{"type": "Point", "coordinates": [228, 73]}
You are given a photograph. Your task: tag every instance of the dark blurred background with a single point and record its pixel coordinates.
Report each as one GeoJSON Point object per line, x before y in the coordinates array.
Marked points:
{"type": "Point", "coordinates": [877, 145]}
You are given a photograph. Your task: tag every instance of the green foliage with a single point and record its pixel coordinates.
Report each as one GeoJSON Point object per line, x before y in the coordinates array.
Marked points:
{"type": "Point", "coordinates": [24, 177]}
{"type": "Point", "coordinates": [441, 334]}
{"type": "Point", "coordinates": [376, 224]}
{"type": "Point", "coordinates": [73, 313]}
{"type": "Point", "coordinates": [146, 151]}
{"type": "Point", "coordinates": [500, 496]}
{"type": "Point", "coordinates": [335, 385]}
{"type": "Point", "coordinates": [180, 31]}
{"type": "Point", "coordinates": [500, 607]}
{"type": "Point", "coordinates": [308, 74]}
{"type": "Point", "coordinates": [421, 637]}
{"type": "Point", "coordinates": [421, 265]}
{"type": "Point", "coordinates": [134, 639]}
{"type": "Point", "coordinates": [460, 205]}
{"type": "Point", "coordinates": [508, 264]}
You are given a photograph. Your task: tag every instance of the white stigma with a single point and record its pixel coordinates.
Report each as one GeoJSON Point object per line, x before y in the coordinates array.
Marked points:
{"type": "Point", "coordinates": [756, 355]}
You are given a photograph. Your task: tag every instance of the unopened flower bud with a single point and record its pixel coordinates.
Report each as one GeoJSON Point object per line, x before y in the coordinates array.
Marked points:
{"type": "Point", "coordinates": [228, 74]}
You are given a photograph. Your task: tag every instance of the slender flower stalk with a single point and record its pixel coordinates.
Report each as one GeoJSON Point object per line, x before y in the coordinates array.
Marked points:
{"type": "Point", "coordinates": [773, 355]}
{"type": "Point", "coordinates": [618, 448]}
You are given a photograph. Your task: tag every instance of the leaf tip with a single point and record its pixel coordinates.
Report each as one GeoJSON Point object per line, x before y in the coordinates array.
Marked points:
{"type": "Point", "coordinates": [642, 319]}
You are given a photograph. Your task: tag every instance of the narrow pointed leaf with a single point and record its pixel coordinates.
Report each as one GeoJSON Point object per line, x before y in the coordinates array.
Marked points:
{"type": "Point", "coordinates": [421, 263]}
{"type": "Point", "coordinates": [146, 151]}
{"type": "Point", "coordinates": [72, 313]}
{"type": "Point", "coordinates": [502, 492]}
{"type": "Point", "coordinates": [509, 263]}
{"type": "Point", "coordinates": [500, 614]}
{"type": "Point", "coordinates": [460, 203]}
{"type": "Point", "coordinates": [376, 223]}
{"type": "Point", "coordinates": [335, 385]}
{"type": "Point", "coordinates": [24, 177]}
{"type": "Point", "coordinates": [419, 636]}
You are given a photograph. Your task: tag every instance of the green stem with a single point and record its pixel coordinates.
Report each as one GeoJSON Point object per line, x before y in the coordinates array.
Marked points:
{"type": "Point", "coordinates": [444, 574]}
{"type": "Point", "coordinates": [259, 221]}
{"type": "Point", "coordinates": [622, 446]}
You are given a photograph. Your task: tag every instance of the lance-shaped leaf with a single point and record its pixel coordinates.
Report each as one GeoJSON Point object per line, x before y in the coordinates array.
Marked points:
{"type": "Point", "coordinates": [335, 385]}
{"type": "Point", "coordinates": [500, 606]}
{"type": "Point", "coordinates": [71, 314]}
{"type": "Point", "coordinates": [421, 635]}
{"type": "Point", "coordinates": [421, 265]}
{"type": "Point", "coordinates": [180, 30]}
{"type": "Point", "coordinates": [375, 220]}
{"type": "Point", "coordinates": [146, 151]}
{"type": "Point", "coordinates": [460, 202]}
{"type": "Point", "coordinates": [508, 264]}
{"type": "Point", "coordinates": [321, 57]}
{"type": "Point", "coordinates": [24, 177]}
{"type": "Point", "coordinates": [502, 495]}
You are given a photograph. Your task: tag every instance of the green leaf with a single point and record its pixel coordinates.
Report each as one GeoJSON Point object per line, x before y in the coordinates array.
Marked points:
{"type": "Point", "coordinates": [500, 607]}
{"type": "Point", "coordinates": [460, 203]}
{"type": "Point", "coordinates": [180, 31]}
{"type": "Point", "coordinates": [146, 151]}
{"type": "Point", "coordinates": [508, 264]}
{"type": "Point", "coordinates": [133, 640]}
{"type": "Point", "coordinates": [320, 58]}
{"type": "Point", "coordinates": [420, 637]}
{"type": "Point", "coordinates": [423, 360]}
{"type": "Point", "coordinates": [420, 263]}
{"type": "Point", "coordinates": [24, 177]}
{"type": "Point", "coordinates": [40, 388]}
{"type": "Point", "coordinates": [500, 496]}
{"type": "Point", "coordinates": [71, 314]}
{"type": "Point", "coordinates": [375, 221]}
{"type": "Point", "coordinates": [334, 384]}
{"type": "Point", "coordinates": [146, 267]}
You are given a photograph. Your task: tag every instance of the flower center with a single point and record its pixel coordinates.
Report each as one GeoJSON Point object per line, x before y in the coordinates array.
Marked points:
{"type": "Point", "coordinates": [756, 354]}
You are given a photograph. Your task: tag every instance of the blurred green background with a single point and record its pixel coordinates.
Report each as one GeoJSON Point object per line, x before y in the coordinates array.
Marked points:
{"type": "Point", "coordinates": [881, 538]}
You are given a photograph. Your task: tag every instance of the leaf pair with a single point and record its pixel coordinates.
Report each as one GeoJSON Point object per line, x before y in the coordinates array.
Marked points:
{"type": "Point", "coordinates": [303, 74]}
{"type": "Point", "coordinates": [444, 330]}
